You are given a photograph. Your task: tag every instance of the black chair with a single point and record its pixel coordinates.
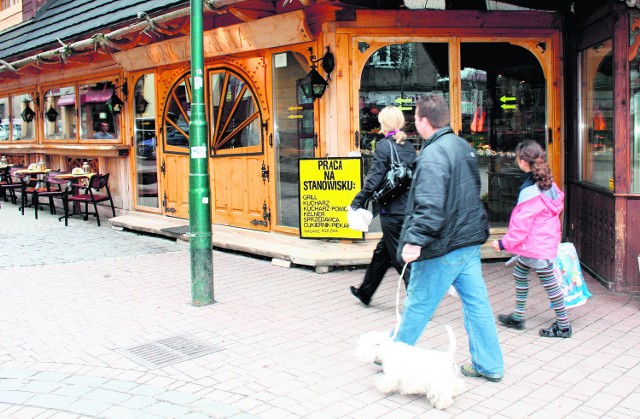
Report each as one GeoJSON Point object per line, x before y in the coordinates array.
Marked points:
{"type": "Point", "coordinates": [54, 188]}
{"type": "Point", "coordinates": [10, 183]}
{"type": "Point", "coordinates": [31, 185]}
{"type": "Point", "coordinates": [97, 191]}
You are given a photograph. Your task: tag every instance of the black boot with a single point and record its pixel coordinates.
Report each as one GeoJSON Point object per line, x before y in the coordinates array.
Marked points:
{"type": "Point", "coordinates": [362, 299]}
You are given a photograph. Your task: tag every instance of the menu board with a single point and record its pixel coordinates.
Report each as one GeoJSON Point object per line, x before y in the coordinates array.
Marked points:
{"type": "Point", "coordinates": [327, 187]}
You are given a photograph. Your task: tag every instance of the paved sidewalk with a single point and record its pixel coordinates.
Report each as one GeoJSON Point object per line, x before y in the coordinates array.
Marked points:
{"type": "Point", "coordinates": [277, 344]}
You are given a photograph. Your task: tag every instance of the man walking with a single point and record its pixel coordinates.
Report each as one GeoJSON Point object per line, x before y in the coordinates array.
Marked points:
{"type": "Point", "coordinates": [444, 226]}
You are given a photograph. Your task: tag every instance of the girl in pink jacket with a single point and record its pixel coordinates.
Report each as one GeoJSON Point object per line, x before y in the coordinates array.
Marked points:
{"type": "Point", "coordinates": [534, 234]}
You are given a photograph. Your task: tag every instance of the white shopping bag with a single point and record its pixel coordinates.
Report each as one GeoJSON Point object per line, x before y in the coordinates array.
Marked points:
{"type": "Point", "coordinates": [359, 219]}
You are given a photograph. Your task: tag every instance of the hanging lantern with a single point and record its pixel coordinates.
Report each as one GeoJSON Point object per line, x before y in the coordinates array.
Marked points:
{"type": "Point", "coordinates": [27, 114]}
{"type": "Point", "coordinates": [115, 103]}
{"type": "Point", "coordinates": [313, 84]}
{"type": "Point", "coordinates": [52, 114]}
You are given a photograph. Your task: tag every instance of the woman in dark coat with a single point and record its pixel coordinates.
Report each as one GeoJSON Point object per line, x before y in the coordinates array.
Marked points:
{"type": "Point", "coordinates": [392, 213]}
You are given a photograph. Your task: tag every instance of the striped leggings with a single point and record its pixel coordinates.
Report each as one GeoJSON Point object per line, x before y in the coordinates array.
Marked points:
{"type": "Point", "coordinates": [549, 282]}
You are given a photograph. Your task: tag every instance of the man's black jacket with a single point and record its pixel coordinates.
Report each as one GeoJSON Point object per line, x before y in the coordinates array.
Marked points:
{"type": "Point", "coordinates": [444, 210]}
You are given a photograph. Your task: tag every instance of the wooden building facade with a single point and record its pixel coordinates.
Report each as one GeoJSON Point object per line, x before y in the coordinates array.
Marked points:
{"type": "Point", "coordinates": [562, 77]}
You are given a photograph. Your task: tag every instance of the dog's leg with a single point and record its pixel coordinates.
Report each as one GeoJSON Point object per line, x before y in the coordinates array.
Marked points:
{"type": "Point", "coordinates": [386, 383]}
{"type": "Point", "coordinates": [440, 401]}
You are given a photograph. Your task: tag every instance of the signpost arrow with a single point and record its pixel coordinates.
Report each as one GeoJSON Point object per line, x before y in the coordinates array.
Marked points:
{"type": "Point", "coordinates": [400, 100]}
{"type": "Point", "coordinates": [294, 108]}
{"type": "Point", "coordinates": [294, 116]}
{"type": "Point", "coordinates": [505, 106]}
{"type": "Point", "coordinates": [504, 99]}
{"type": "Point", "coordinates": [405, 108]}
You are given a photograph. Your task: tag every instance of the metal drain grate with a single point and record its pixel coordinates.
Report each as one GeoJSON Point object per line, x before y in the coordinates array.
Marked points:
{"type": "Point", "coordinates": [176, 230]}
{"type": "Point", "coordinates": [168, 351]}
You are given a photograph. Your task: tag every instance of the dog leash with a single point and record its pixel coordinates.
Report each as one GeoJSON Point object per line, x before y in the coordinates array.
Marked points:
{"type": "Point", "coordinates": [398, 317]}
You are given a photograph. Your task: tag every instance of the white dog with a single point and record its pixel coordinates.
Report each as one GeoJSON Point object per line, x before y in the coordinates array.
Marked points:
{"type": "Point", "coordinates": [411, 370]}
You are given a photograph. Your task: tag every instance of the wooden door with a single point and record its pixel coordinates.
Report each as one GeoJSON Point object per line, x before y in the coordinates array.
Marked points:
{"type": "Point", "coordinates": [174, 166]}
{"type": "Point", "coordinates": [240, 193]}
{"type": "Point", "coordinates": [237, 147]}
{"type": "Point", "coordinates": [176, 187]}
{"type": "Point", "coordinates": [238, 163]}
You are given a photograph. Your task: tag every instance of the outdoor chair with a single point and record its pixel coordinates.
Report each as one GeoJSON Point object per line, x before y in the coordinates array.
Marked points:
{"type": "Point", "coordinates": [10, 183]}
{"type": "Point", "coordinates": [54, 188]}
{"type": "Point", "coordinates": [30, 186]}
{"type": "Point", "coordinates": [97, 191]}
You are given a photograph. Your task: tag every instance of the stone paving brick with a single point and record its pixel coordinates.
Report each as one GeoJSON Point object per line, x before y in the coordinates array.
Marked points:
{"type": "Point", "coordinates": [138, 402]}
{"type": "Point", "coordinates": [166, 409]}
{"type": "Point", "coordinates": [88, 407]}
{"type": "Point", "coordinates": [108, 396]}
{"type": "Point", "coordinates": [14, 396]}
{"type": "Point", "coordinates": [51, 401]}
{"type": "Point", "coordinates": [285, 335]}
{"type": "Point", "coordinates": [40, 387]}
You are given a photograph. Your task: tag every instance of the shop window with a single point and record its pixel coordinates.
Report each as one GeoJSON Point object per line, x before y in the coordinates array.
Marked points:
{"type": "Point", "coordinates": [596, 114]}
{"type": "Point", "coordinates": [502, 101]}
{"type": "Point", "coordinates": [59, 113]}
{"type": "Point", "coordinates": [397, 75]}
{"type": "Point", "coordinates": [81, 112]}
{"type": "Point", "coordinates": [17, 118]}
{"type": "Point", "coordinates": [97, 120]}
{"type": "Point", "coordinates": [393, 56]}
{"type": "Point", "coordinates": [5, 120]}
{"type": "Point", "coordinates": [146, 141]}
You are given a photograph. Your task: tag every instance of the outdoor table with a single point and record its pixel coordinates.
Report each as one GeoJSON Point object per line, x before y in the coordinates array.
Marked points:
{"type": "Point", "coordinates": [72, 178]}
{"type": "Point", "coordinates": [25, 177]}
{"type": "Point", "coordinates": [72, 184]}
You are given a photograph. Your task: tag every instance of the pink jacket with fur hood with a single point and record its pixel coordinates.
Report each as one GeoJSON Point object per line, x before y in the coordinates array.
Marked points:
{"type": "Point", "coordinates": [534, 228]}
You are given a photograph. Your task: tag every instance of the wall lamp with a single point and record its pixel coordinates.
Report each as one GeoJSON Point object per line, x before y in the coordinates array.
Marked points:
{"type": "Point", "coordinates": [115, 103]}
{"type": "Point", "coordinates": [27, 114]}
{"type": "Point", "coordinates": [313, 85]}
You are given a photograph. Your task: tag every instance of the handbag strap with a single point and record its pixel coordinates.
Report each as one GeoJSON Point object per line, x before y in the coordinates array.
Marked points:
{"type": "Point", "coordinates": [395, 158]}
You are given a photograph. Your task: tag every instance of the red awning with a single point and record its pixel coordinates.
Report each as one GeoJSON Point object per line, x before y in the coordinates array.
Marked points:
{"type": "Point", "coordinates": [96, 96]}
{"type": "Point", "coordinates": [93, 96]}
{"type": "Point", "coordinates": [66, 100]}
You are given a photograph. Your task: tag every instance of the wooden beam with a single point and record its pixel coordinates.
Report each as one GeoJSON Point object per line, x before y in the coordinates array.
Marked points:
{"type": "Point", "coordinates": [9, 75]}
{"type": "Point", "coordinates": [246, 15]}
{"type": "Point", "coordinates": [263, 5]}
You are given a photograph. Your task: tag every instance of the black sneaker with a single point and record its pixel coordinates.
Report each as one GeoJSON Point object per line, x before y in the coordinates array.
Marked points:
{"type": "Point", "coordinates": [554, 331]}
{"type": "Point", "coordinates": [509, 321]}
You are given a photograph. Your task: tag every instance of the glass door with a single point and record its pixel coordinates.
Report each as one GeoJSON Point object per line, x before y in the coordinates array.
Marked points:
{"type": "Point", "coordinates": [146, 141]}
{"type": "Point", "coordinates": [499, 87]}
{"type": "Point", "coordinates": [294, 132]}
{"type": "Point", "coordinates": [503, 102]}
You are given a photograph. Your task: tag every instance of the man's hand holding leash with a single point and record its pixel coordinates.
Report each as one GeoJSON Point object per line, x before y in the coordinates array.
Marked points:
{"type": "Point", "coordinates": [410, 252]}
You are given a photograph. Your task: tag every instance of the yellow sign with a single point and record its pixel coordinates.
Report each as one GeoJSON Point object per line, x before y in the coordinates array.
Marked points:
{"type": "Point", "coordinates": [327, 187]}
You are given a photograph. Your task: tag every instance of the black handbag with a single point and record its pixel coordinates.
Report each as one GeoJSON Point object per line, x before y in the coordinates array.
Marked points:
{"type": "Point", "coordinates": [396, 182]}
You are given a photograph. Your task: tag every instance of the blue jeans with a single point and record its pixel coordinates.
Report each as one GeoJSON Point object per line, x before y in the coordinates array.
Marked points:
{"type": "Point", "coordinates": [430, 280]}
